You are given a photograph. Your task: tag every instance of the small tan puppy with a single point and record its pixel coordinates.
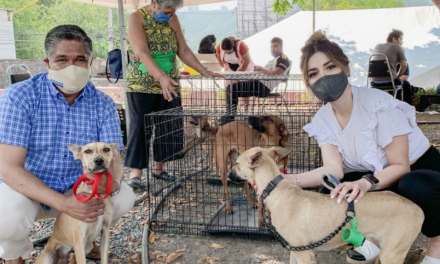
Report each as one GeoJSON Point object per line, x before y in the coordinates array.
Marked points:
{"type": "Point", "coordinates": [206, 130]}
{"type": "Point", "coordinates": [72, 234]}
{"type": "Point", "coordinates": [304, 217]}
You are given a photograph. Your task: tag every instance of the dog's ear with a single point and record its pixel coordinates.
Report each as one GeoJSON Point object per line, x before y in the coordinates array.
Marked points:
{"type": "Point", "coordinates": [234, 154]}
{"type": "Point", "coordinates": [115, 146]}
{"type": "Point", "coordinates": [255, 160]}
{"type": "Point", "coordinates": [76, 150]}
{"type": "Point", "coordinates": [277, 152]}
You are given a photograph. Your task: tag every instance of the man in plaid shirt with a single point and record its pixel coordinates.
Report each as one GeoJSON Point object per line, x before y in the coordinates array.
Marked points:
{"type": "Point", "coordinates": [39, 117]}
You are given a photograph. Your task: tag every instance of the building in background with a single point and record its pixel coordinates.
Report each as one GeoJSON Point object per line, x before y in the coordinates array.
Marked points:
{"type": "Point", "coordinates": [7, 41]}
{"type": "Point", "coordinates": [255, 15]}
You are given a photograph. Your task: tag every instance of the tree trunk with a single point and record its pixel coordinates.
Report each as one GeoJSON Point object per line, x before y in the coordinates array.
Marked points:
{"type": "Point", "coordinates": [436, 3]}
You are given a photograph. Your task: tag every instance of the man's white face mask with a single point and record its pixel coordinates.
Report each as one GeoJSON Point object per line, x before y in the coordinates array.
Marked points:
{"type": "Point", "coordinates": [71, 79]}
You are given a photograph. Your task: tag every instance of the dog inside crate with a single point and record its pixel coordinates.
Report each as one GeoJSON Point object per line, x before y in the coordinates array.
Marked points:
{"type": "Point", "coordinates": [205, 201]}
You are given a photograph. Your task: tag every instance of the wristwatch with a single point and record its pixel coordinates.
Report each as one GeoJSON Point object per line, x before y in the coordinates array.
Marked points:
{"type": "Point", "coordinates": [373, 180]}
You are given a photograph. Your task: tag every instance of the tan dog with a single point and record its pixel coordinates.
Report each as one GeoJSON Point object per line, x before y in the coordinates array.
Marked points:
{"type": "Point", "coordinates": [263, 131]}
{"type": "Point", "coordinates": [304, 217]}
{"type": "Point", "coordinates": [70, 233]}
{"type": "Point", "coordinates": [206, 129]}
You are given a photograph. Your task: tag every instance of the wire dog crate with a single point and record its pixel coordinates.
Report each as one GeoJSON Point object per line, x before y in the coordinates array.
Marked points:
{"type": "Point", "coordinates": [196, 148]}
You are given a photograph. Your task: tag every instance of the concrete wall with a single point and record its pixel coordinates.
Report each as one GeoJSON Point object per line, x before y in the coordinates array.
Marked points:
{"type": "Point", "coordinates": [38, 66]}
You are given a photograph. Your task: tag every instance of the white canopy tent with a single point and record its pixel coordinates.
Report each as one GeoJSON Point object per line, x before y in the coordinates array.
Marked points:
{"type": "Point", "coordinates": [358, 32]}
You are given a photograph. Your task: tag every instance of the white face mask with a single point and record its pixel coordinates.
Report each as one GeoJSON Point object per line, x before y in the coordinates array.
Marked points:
{"type": "Point", "coordinates": [71, 79]}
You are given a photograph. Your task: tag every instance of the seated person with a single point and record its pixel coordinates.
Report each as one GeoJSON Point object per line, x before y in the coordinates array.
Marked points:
{"type": "Point", "coordinates": [280, 64]}
{"type": "Point", "coordinates": [370, 141]}
{"type": "Point", "coordinates": [396, 56]}
{"type": "Point", "coordinates": [233, 55]}
{"type": "Point", "coordinates": [39, 118]}
{"type": "Point", "coordinates": [414, 89]}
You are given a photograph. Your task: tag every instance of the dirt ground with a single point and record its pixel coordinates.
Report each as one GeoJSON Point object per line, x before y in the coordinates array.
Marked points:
{"type": "Point", "coordinates": [199, 249]}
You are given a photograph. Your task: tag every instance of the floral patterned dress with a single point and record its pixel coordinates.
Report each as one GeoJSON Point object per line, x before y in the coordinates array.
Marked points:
{"type": "Point", "coordinates": [162, 42]}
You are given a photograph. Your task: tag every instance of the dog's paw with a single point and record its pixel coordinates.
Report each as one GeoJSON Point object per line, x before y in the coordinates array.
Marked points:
{"type": "Point", "coordinates": [229, 210]}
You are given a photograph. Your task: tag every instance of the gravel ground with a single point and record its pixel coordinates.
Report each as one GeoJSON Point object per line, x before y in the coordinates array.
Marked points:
{"type": "Point", "coordinates": [126, 238]}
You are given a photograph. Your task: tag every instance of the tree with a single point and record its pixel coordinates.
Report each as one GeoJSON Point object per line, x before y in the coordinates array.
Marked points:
{"type": "Point", "coordinates": [32, 24]}
{"type": "Point", "coordinates": [282, 6]}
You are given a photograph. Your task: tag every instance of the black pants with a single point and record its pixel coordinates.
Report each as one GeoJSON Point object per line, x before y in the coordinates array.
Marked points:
{"type": "Point", "coordinates": [244, 89]}
{"type": "Point", "coordinates": [421, 185]}
{"type": "Point", "coordinates": [168, 130]}
{"type": "Point", "coordinates": [407, 91]}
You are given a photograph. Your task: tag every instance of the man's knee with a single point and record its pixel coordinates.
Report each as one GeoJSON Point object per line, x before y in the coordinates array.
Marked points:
{"type": "Point", "coordinates": [122, 202]}
{"type": "Point", "coordinates": [18, 213]}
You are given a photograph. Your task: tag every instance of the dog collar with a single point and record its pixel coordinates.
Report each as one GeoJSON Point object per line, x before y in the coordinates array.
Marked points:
{"type": "Point", "coordinates": [272, 184]}
{"type": "Point", "coordinates": [95, 183]}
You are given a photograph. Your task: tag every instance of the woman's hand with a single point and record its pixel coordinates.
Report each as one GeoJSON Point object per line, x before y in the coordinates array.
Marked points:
{"type": "Point", "coordinates": [168, 85]}
{"type": "Point", "coordinates": [357, 189]}
{"type": "Point", "coordinates": [208, 73]}
{"type": "Point", "coordinates": [258, 68]}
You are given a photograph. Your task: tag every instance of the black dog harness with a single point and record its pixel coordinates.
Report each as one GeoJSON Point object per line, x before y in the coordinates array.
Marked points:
{"type": "Point", "coordinates": [269, 188]}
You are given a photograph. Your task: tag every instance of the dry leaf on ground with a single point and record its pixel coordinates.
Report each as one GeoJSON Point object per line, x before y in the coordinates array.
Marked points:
{"type": "Point", "coordinates": [151, 238]}
{"type": "Point", "coordinates": [180, 250]}
{"type": "Point", "coordinates": [172, 257]}
{"type": "Point", "coordinates": [218, 246]}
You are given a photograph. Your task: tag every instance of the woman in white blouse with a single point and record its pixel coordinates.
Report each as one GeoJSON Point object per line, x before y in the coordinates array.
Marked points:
{"type": "Point", "coordinates": [368, 132]}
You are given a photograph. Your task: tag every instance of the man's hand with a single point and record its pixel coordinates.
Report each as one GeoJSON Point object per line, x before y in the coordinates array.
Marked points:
{"type": "Point", "coordinates": [87, 211]}
{"type": "Point", "coordinates": [258, 68]}
{"type": "Point", "coordinates": [168, 85]}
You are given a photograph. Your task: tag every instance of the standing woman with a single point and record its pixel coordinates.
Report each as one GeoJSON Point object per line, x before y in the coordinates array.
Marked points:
{"type": "Point", "coordinates": [155, 38]}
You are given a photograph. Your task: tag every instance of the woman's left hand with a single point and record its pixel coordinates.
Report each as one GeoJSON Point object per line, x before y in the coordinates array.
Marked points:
{"type": "Point", "coordinates": [357, 189]}
{"type": "Point", "coordinates": [208, 73]}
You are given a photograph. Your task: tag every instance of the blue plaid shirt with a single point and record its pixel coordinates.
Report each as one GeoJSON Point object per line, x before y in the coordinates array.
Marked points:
{"type": "Point", "coordinates": [35, 115]}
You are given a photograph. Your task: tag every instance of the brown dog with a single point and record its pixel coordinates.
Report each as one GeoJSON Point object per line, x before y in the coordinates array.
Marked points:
{"type": "Point", "coordinates": [206, 129]}
{"type": "Point", "coordinates": [305, 217]}
{"type": "Point", "coordinates": [263, 131]}
{"type": "Point", "coordinates": [70, 233]}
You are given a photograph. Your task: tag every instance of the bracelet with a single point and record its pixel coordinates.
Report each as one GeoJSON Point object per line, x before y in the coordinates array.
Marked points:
{"type": "Point", "coordinates": [297, 181]}
{"type": "Point", "coordinates": [118, 190]}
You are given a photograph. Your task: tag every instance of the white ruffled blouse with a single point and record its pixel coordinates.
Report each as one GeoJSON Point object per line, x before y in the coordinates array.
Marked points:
{"type": "Point", "coordinates": [375, 119]}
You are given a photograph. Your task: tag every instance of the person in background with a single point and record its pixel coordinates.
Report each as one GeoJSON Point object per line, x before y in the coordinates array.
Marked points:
{"type": "Point", "coordinates": [155, 39]}
{"type": "Point", "coordinates": [233, 55]}
{"type": "Point", "coordinates": [396, 56]}
{"type": "Point", "coordinates": [280, 64]}
{"type": "Point", "coordinates": [373, 136]}
{"type": "Point", "coordinates": [39, 117]}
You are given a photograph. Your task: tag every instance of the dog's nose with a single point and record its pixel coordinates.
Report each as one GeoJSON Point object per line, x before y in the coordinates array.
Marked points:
{"type": "Point", "coordinates": [99, 161]}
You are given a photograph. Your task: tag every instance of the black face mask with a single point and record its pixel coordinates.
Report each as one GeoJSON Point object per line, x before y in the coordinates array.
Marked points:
{"type": "Point", "coordinates": [330, 88]}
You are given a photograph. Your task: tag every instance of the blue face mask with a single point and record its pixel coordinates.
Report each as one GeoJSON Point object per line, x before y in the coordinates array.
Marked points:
{"type": "Point", "coordinates": [161, 17]}
{"type": "Point", "coordinates": [275, 54]}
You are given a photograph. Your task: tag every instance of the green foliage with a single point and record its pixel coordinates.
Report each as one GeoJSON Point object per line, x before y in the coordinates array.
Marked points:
{"type": "Point", "coordinates": [32, 24]}
{"type": "Point", "coordinates": [416, 98]}
{"type": "Point", "coordinates": [283, 6]}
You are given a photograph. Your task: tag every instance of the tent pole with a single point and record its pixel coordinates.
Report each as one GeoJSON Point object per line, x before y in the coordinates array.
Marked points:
{"type": "Point", "coordinates": [124, 56]}
{"type": "Point", "coordinates": [314, 15]}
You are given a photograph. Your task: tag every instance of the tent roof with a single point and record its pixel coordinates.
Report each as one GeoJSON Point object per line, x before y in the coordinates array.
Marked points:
{"type": "Point", "coordinates": [357, 32]}
{"type": "Point", "coordinates": [428, 79]}
{"type": "Point", "coordinates": [135, 4]}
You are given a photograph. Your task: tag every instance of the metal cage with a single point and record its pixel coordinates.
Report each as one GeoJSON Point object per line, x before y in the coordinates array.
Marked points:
{"type": "Point", "coordinates": [194, 203]}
